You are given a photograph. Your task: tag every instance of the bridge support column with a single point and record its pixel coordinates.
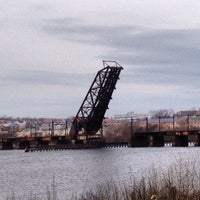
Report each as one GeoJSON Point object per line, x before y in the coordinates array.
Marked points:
{"type": "Point", "coordinates": [130, 143]}
{"type": "Point", "coordinates": [22, 145]}
{"type": "Point", "coordinates": [33, 144]}
{"type": "Point", "coordinates": [177, 140]}
{"type": "Point", "coordinates": [7, 145]}
{"type": "Point", "coordinates": [52, 143]}
{"type": "Point", "coordinates": [198, 140]}
{"type": "Point", "coordinates": [181, 140]}
{"type": "Point", "coordinates": [17, 145]}
{"type": "Point", "coordinates": [158, 141]}
{"type": "Point", "coordinates": [194, 140]}
{"type": "Point", "coordinates": [140, 141]}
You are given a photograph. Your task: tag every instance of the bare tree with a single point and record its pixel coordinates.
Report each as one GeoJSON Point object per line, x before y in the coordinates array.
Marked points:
{"type": "Point", "coordinates": [162, 113]}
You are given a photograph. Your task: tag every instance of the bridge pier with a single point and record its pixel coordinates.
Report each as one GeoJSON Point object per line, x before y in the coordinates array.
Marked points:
{"type": "Point", "coordinates": [140, 141]}
{"type": "Point", "coordinates": [181, 140]}
{"type": "Point", "coordinates": [158, 141]}
{"type": "Point", "coordinates": [195, 139]}
{"type": "Point", "coordinates": [147, 141]}
{"type": "Point", "coordinates": [177, 140]}
{"type": "Point", "coordinates": [198, 140]}
{"type": "Point", "coordinates": [6, 145]}
{"type": "Point", "coordinates": [22, 144]}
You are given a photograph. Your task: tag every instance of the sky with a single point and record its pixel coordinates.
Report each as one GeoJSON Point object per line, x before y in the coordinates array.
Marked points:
{"type": "Point", "coordinates": [50, 52]}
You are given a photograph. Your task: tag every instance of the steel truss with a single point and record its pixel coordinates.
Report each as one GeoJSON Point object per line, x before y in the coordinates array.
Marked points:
{"type": "Point", "coordinates": [88, 120]}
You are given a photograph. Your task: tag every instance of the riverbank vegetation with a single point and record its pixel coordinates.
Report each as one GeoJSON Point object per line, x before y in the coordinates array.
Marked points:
{"type": "Point", "coordinates": [178, 182]}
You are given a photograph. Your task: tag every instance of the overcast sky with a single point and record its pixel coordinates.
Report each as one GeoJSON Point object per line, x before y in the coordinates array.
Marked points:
{"type": "Point", "coordinates": [50, 52]}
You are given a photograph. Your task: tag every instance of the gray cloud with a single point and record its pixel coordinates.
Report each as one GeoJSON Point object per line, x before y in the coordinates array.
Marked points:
{"type": "Point", "coordinates": [168, 56]}
{"type": "Point", "coordinates": [134, 45]}
{"type": "Point", "coordinates": [160, 48]}
{"type": "Point", "coordinates": [42, 42]}
{"type": "Point", "coordinates": [46, 78]}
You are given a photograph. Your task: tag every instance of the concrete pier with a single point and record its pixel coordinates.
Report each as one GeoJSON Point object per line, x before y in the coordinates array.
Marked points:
{"type": "Point", "coordinates": [158, 141]}
{"type": "Point", "coordinates": [140, 141]}
{"type": "Point", "coordinates": [180, 141]}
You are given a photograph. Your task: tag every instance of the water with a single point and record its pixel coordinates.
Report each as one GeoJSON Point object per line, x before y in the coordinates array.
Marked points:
{"type": "Point", "coordinates": [77, 171]}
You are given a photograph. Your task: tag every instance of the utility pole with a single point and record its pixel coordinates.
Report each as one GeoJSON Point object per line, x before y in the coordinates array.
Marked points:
{"type": "Point", "coordinates": [147, 124]}
{"type": "Point", "coordinates": [188, 122]}
{"type": "Point", "coordinates": [131, 126]}
{"type": "Point", "coordinates": [159, 123]}
{"type": "Point", "coordinates": [52, 128]}
{"type": "Point", "coordinates": [66, 127]}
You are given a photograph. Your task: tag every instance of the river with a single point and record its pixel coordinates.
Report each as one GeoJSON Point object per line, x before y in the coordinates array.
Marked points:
{"type": "Point", "coordinates": [77, 171]}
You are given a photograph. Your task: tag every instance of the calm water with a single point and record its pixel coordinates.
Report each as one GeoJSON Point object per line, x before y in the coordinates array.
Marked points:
{"type": "Point", "coordinates": [77, 171]}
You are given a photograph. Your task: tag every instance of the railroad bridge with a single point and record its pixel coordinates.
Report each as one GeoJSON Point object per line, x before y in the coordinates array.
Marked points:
{"type": "Point", "coordinates": [174, 138]}
{"type": "Point", "coordinates": [87, 125]}
{"type": "Point", "coordinates": [175, 131]}
{"type": "Point", "coordinates": [171, 138]}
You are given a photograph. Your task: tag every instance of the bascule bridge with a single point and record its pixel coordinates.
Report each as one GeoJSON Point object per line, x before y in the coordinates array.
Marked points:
{"type": "Point", "coordinates": [87, 123]}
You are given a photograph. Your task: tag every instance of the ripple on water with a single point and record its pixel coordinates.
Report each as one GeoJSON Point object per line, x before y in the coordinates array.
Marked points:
{"type": "Point", "coordinates": [76, 171]}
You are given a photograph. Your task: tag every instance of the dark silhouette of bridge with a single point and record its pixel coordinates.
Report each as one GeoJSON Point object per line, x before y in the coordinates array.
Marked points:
{"type": "Point", "coordinates": [176, 131]}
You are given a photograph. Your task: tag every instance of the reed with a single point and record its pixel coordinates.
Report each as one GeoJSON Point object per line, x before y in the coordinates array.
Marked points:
{"type": "Point", "coordinates": [178, 182]}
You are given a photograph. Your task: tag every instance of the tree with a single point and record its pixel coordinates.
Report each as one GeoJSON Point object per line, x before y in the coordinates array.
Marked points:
{"type": "Point", "coordinates": [162, 113]}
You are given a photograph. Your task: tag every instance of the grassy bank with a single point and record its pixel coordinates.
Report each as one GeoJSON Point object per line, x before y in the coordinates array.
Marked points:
{"type": "Point", "coordinates": [180, 181]}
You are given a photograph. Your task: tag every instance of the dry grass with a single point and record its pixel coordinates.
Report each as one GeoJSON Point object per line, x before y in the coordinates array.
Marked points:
{"type": "Point", "coordinates": [178, 182]}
